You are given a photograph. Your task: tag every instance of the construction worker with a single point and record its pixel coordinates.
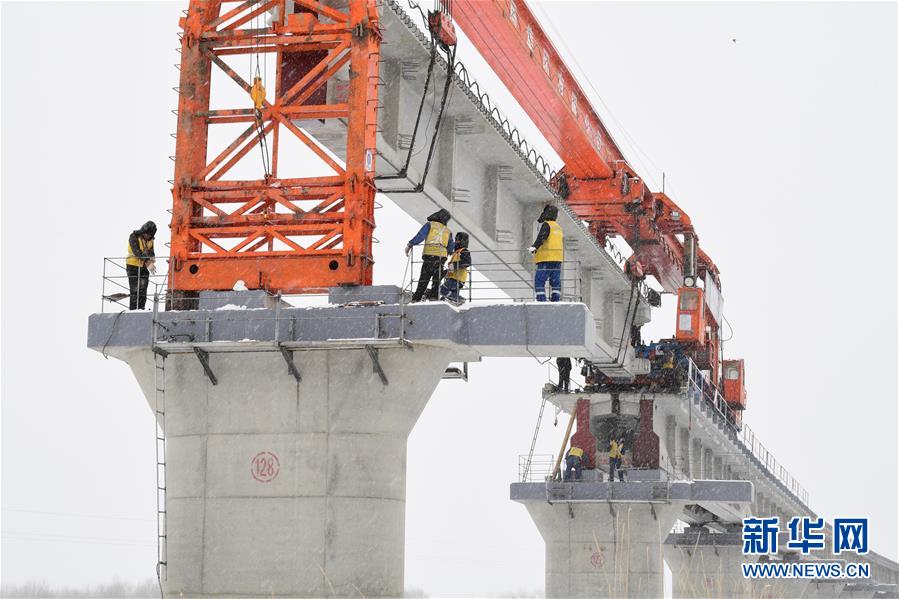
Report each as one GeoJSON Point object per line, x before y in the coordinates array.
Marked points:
{"type": "Point", "coordinates": [564, 366]}
{"type": "Point", "coordinates": [615, 449]}
{"type": "Point", "coordinates": [574, 460]}
{"type": "Point", "coordinates": [669, 379]}
{"type": "Point", "coordinates": [140, 264]}
{"type": "Point", "coordinates": [456, 270]}
{"type": "Point", "coordinates": [438, 244]}
{"type": "Point", "coordinates": [548, 254]}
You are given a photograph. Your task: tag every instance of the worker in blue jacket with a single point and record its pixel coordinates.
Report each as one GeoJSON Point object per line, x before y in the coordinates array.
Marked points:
{"type": "Point", "coordinates": [548, 251]}
{"type": "Point", "coordinates": [438, 244]}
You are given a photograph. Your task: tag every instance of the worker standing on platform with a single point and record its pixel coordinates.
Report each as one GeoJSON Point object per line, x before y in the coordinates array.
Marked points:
{"type": "Point", "coordinates": [615, 448]}
{"type": "Point", "coordinates": [456, 270]}
{"type": "Point", "coordinates": [574, 460]}
{"type": "Point", "coordinates": [438, 244]}
{"type": "Point", "coordinates": [548, 251]}
{"type": "Point", "coordinates": [564, 366]}
{"type": "Point", "coordinates": [140, 263]}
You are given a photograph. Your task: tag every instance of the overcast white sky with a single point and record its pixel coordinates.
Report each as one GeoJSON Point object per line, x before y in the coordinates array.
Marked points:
{"type": "Point", "coordinates": [781, 147]}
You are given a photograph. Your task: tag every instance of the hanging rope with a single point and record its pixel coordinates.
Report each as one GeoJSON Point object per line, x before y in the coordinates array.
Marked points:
{"type": "Point", "coordinates": [257, 94]}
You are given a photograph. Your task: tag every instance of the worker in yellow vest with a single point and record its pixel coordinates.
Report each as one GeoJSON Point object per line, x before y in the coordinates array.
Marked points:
{"type": "Point", "coordinates": [140, 263]}
{"type": "Point", "coordinates": [456, 270]}
{"type": "Point", "coordinates": [438, 244]}
{"type": "Point", "coordinates": [615, 449]}
{"type": "Point", "coordinates": [548, 253]}
{"type": "Point", "coordinates": [574, 461]}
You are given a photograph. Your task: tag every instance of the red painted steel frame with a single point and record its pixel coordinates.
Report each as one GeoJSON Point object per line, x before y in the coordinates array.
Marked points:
{"type": "Point", "coordinates": [226, 229]}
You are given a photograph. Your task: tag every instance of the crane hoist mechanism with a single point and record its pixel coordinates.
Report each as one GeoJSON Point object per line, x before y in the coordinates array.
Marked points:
{"type": "Point", "coordinates": [289, 232]}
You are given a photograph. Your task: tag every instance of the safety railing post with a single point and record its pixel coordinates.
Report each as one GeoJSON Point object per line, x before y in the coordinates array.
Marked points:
{"type": "Point", "coordinates": [153, 332]}
{"type": "Point", "coordinates": [278, 317]}
{"type": "Point", "coordinates": [103, 288]}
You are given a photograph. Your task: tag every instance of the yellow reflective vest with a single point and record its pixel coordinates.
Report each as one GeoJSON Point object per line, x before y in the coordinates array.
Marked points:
{"type": "Point", "coordinates": [576, 452]}
{"type": "Point", "coordinates": [437, 239]}
{"type": "Point", "coordinates": [614, 450]}
{"type": "Point", "coordinates": [551, 250]}
{"type": "Point", "coordinates": [133, 260]}
{"type": "Point", "coordinates": [459, 274]}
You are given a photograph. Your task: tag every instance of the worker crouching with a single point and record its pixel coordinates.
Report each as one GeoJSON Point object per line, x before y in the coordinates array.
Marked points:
{"type": "Point", "coordinates": [438, 244]}
{"type": "Point", "coordinates": [456, 270]}
{"type": "Point", "coordinates": [140, 263]}
{"type": "Point", "coordinates": [574, 463]}
{"type": "Point", "coordinates": [548, 251]}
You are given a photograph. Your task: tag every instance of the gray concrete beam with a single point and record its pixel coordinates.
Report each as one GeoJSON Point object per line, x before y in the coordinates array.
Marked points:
{"type": "Point", "coordinates": [700, 491]}
{"type": "Point", "coordinates": [508, 330]}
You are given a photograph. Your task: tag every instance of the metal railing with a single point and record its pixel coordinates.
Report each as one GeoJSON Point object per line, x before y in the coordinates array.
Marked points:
{"type": "Point", "coordinates": [698, 387]}
{"type": "Point", "coordinates": [503, 276]}
{"type": "Point", "coordinates": [499, 278]}
{"type": "Point", "coordinates": [538, 469]}
{"type": "Point", "coordinates": [277, 324]}
{"type": "Point", "coordinates": [115, 287]}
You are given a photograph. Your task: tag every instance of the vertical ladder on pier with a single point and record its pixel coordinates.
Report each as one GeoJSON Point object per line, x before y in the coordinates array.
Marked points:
{"type": "Point", "coordinates": [159, 416]}
{"type": "Point", "coordinates": [527, 465]}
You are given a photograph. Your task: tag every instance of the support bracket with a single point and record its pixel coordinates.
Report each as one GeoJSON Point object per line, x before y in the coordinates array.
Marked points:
{"type": "Point", "coordinates": [291, 365]}
{"type": "Point", "coordinates": [376, 366]}
{"type": "Point", "coordinates": [203, 356]}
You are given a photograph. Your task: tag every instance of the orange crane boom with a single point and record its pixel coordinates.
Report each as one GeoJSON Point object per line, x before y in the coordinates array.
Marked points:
{"type": "Point", "coordinates": [598, 183]}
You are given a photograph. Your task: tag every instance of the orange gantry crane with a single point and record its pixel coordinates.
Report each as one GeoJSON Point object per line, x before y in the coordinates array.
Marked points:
{"type": "Point", "coordinates": [283, 231]}
{"type": "Point", "coordinates": [294, 234]}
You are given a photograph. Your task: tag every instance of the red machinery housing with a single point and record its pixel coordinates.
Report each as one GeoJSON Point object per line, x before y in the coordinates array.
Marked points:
{"type": "Point", "coordinates": [734, 385]}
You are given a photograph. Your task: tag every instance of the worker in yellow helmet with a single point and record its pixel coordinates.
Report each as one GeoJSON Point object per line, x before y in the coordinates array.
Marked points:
{"type": "Point", "coordinates": [438, 244]}
{"type": "Point", "coordinates": [456, 270]}
{"type": "Point", "coordinates": [548, 254]}
{"type": "Point", "coordinates": [615, 449]}
{"type": "Point", "coordinates": [140, 263]}
{"type": "Point", "coordinates": [574, 461]}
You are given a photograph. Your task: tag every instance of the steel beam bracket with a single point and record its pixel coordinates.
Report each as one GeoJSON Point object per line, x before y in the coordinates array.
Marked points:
{"type": "Point", "coordinates": [375, 364]}
{"type": "Point", "coordinates": [203, 356]}
{"type": "Point", "coordinates": [291, 365]}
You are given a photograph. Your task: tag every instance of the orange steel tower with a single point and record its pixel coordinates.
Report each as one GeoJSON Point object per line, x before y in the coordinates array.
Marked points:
{"type": "Point", "coordinates": [279, 231]}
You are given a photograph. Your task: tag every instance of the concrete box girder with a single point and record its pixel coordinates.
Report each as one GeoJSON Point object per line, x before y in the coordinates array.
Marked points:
{"type": "Point", "coordinates": [485, 181]}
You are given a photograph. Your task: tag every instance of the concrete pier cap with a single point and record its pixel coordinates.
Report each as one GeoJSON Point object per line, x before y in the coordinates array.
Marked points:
{"type": "Point", "coordinates": [285, 428]}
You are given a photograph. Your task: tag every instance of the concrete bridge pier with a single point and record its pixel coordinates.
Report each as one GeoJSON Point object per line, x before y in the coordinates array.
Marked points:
{"type": "Point", "coordinates": [824, 589]}
{"type": "Point", "coordinates": [286, 426]}
{"type": "Point", "coordinates": [608, 539]}
{"type": "Point", "coordinates": [280, 487]}
{"type": "Point", "coordinates": [707, 571]}
{"type": "Point", "coordinates": [602, 550]}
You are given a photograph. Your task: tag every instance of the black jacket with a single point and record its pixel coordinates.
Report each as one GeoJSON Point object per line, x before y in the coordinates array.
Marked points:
{"type": "Point", "coordinates": [147, 227]}
{"type": "Point", "coordinates": [549, 213]}
{"type": "Point", "coordinates": [464, 258]}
